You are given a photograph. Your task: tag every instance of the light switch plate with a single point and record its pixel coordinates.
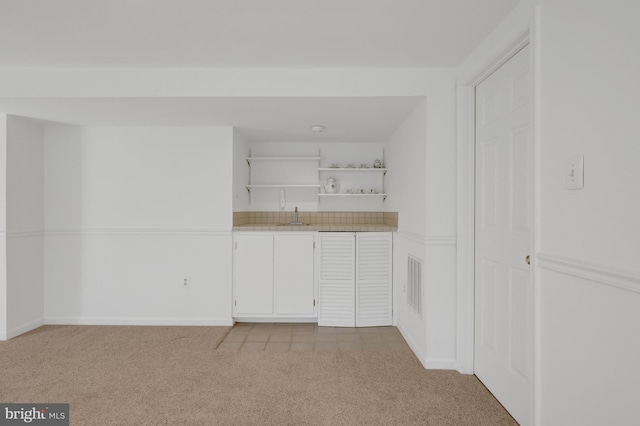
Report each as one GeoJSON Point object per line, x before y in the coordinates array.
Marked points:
{"type": "Point", "coordinates": [574, 172]}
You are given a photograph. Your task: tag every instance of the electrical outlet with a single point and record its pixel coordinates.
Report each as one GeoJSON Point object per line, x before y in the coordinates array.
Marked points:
{"type": "Point", "coordinates": [186, 282]}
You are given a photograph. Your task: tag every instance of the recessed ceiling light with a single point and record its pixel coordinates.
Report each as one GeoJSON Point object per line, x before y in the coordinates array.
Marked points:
{"type": "Point", "coordinates": [318, 128]}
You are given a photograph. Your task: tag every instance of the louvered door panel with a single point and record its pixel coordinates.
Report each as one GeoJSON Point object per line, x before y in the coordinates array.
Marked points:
{"type": "Point", "coordinates": [374, 279]}
{"type": "Point", "coordinates": [337, 272]}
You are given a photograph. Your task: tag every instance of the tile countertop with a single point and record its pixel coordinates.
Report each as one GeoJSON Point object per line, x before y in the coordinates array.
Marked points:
{"type": "Point", "coordinates": [345, 227]}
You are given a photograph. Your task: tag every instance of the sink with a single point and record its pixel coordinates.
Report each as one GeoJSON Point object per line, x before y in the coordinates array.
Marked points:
{"type": "Point", "coordinates": [293, 224]}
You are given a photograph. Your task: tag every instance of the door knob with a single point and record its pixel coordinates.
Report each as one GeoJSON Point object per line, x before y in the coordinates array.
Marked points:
{"type": "Point", "coordinates": [528, 260]}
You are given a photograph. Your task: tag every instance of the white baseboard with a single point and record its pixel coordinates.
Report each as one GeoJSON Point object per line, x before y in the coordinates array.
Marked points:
{"type": "Point", "coordinates": [412, 344]}
{"type": "Point", "coordinates": [276, 319]}
{"type": "Point", "coordinates": [429, 364]}
{"type": "Point", "coordinates": [139, 321]}
{"type": "Point", "coordinates": [440, 364]}
{"type": "Point", "coordinates": [16, 331]}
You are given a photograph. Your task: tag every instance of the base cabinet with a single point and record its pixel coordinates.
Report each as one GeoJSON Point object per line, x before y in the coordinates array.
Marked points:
{"type": "Point", "coordinates": [253, 274]}
{"type": "Point", "coordinates": [273, 275]}
{"type": "Point", "coordinates": [293, 274]}
{"type": "Point", "coordinates": [355, 279]}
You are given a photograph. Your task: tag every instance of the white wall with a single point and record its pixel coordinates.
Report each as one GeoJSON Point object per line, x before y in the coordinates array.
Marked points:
{"type": "Point", "coordinates": [405, 154]}
{"type": "Point", "coordinates": [240, 172]}
{"type": "Point", "coordinates": [130, 213]}
{"type": "Point", "coordinates": [421, 181]}
{"type": "Point", "coordinates": [440, 223]}
{"type": "Point", "coordinates": [25, 225]}
{"type": "Point", "coordinates": [3, 226]}
{"type": "Point", "coordinates": [221, 82]}
{"type": "Point", "coordinates": [589, 346]}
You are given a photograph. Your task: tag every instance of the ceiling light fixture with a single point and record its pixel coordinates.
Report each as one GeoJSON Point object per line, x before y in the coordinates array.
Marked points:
{"type": "Point", "coordinates": [318, 128]}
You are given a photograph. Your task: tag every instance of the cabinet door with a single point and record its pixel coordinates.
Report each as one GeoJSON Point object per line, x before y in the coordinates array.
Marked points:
{"type": "Point", "coordinates": [374, 279]}
{"type": "Point", "coordinates": [336, 283]}
{"type": "Point", "coordinates": [253, 274]}
{"type": "Point", "coordinates": [293, 274]}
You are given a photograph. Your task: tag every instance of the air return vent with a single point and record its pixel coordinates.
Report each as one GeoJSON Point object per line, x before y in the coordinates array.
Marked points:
{"type": "Point", "coordinates": [414, 284]}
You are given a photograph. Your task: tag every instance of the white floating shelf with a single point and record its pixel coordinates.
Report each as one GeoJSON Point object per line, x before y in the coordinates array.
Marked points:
{"type": "Point", "coordinates": [351, 169]}
{"type": "Point", "coordinates": [250, 159]}
{"type": "Point", "coordinates": [384, 196]}
{"type": "Point", "coordinates": [249, 187]}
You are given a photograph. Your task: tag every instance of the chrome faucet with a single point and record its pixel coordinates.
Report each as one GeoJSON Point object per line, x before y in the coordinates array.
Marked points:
{"type": "Point", "coordinates": [295, 220]}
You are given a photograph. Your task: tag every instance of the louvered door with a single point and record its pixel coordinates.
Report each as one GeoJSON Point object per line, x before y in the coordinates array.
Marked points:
{"type": "Point", "coordinates": [336, 284]}
{"type": "Point", "coordinates": [373, 279]}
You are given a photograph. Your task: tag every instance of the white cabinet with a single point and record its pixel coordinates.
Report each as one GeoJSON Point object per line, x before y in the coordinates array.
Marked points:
{"type": "Point", "coordinates": [293, 274]}
{"type": "Point", "coordinates": [253, 274]}
{"type": "Point", "coordinates": [273, 275]}
{"type": "Point", "coordinates": [355, 279]}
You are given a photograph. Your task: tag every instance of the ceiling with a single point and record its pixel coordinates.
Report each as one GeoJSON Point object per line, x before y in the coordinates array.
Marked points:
{"type": "Point", "coordinates": [353, 119]}
{"type": "Point", "coordinates": [241, 34]}
{"type": "Point", "coordinates": [244, 33]}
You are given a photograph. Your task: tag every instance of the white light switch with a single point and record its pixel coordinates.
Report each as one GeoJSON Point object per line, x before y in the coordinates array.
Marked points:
{"type": "Point", "coordinates": [574, 172]}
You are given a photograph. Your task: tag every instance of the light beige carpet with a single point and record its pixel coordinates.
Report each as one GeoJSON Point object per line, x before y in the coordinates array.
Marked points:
{"type": "Point", "coordinates": [174, 376]}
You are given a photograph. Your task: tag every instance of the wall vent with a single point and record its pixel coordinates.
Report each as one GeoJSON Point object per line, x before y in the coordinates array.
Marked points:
{"type": "Point", "coordinates": [414, 284]}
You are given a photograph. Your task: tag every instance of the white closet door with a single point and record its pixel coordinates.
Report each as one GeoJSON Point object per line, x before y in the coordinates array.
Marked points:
{"type": "Point", "coordinates": [504, 195]}
{"type": "Point", "coordinates": [336, 282]}
{"type": "Point", "coordinates": [373, 279]}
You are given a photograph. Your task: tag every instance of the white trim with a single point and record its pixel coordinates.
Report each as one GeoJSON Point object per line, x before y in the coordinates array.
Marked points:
{"type": "Point", "coordinates": [515, 32]}
{"type": "Point", "coordinates": [412, 344]}
{"type": "Point", "coordinates": [429, 364]}
{"type": "Point", "coordinates": [279, 319]}
{"type": "Point", "coordinates": [440, 364]}
{"type": "Point", "coordinates": [602, 274]}
{"type": "Point", "coordinates": [466, 199]}
{"type": "Point", "coordinates": [465, 252]}
{"type": "Point", "coordinates": [536, 69]}
{"type": "Point", "coordinates": [24, 328]}
{"type": "Point", "coordinates": [137, 232]}
{"type": "Point", "coordinates": [24, 233]}
{"type": "Point", "coordinates": [428, 241]}
{"type": "Point", "coordinates": [465, 227]}
{"type": "Point", "coordinates": [139, 321]}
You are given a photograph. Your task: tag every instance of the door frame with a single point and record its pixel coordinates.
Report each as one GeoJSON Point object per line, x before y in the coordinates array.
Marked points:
{"type": "Point", "coordinates": [524, 31]}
